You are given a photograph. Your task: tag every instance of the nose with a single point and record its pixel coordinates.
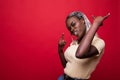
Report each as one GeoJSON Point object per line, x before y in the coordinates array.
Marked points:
{"type": "Point", "coordinates": [73, 28]}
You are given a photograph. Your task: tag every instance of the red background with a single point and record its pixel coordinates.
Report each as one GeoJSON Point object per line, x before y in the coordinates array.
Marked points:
{"type": "Point", "coordinates": [30, 29]}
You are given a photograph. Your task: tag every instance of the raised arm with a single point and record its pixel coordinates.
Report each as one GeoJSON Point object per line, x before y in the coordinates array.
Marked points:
{"type": "Point", "coordinates": [61, 45]}
{"type": "Point", "coordinates": [85, 48]}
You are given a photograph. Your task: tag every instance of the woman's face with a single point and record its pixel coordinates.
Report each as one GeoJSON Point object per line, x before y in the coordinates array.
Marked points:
{"type": "Point", "coordinates": [76, 27]}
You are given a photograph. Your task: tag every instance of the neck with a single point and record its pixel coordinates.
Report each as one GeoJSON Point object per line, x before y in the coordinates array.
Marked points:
{"type": "Point", "coordinates": [79, 39]}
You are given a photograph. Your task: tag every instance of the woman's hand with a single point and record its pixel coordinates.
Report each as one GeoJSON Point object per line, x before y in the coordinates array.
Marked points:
{"type": "Point", "coordinates": [61, 42]}
{"type": "Point", "coordinates": [61, 45]}
{"type": "Point", "coordinates": [99, 19]}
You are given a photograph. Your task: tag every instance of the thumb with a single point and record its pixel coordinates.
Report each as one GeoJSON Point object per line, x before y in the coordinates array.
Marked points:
{"type": "Point", "coordinates": [93, 17]}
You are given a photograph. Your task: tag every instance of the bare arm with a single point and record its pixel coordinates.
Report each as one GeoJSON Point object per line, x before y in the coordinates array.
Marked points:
{"type": "Point", "coordinates": [61, 45]}
{"type": "Point", "coordinates": [85, 48]}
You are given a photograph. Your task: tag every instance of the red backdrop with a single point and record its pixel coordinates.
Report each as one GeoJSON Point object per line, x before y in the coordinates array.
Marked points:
{"type": "Point", "coordinates": [30, 29]}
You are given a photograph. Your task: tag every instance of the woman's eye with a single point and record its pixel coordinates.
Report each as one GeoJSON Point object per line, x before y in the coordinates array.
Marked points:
{"type": "Point", "coordinates": [73, 24]}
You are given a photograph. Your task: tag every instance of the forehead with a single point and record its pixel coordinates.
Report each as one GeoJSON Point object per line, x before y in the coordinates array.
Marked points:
{"type": "Point", "coordinates": [69, 20]}
{"type": "Point", "coordinates": [72, 18]}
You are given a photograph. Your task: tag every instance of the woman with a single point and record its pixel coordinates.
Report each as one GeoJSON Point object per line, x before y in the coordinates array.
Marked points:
{"type": "Point", "coordinates": [82, 56]}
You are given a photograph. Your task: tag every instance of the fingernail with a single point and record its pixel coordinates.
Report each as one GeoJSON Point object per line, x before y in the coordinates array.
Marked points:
{"type": "Point", "coordinates": [108, 13]}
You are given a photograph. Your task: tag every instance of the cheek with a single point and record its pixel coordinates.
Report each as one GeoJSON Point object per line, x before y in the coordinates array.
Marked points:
{"type": "Point", "coordinates": [78, 25]}
{"type": "Point", "coordinates": [83, 29]}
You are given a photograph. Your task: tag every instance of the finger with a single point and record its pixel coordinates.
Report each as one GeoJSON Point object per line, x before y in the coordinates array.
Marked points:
{"type": "Point", "coordinates": [106, 16]}
{"type": "Point", "coordinates": [93, 16]}
{"type": "Point", "coordinates": [64, 42]}
{"type": "Point", "coordinates": [62, 36]}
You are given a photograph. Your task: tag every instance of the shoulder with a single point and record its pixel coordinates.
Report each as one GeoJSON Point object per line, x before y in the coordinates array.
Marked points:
{"type": "Point", "coordinates": [98, 40]}
{"type": "Point", "coordinates": [98, 43]}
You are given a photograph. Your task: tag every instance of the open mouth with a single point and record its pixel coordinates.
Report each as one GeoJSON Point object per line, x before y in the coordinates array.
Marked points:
{"type": "Point", "coordinates": [76, 32]}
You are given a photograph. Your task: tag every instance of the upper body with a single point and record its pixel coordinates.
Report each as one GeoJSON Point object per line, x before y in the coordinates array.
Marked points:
{"type": "Point", "coordinates": [82, 68]}
{"type": "Point", "coordinates": [80, 59]}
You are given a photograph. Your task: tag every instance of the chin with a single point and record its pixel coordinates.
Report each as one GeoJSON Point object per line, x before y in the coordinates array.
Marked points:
{"type": "Point", "coordinates": [80, 36]}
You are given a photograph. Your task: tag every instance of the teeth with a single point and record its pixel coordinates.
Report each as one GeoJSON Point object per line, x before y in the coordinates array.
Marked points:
{"type": "Point", "coordinates": [75, 33]}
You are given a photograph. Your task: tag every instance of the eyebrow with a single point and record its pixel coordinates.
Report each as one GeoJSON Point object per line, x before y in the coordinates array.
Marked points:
{"type": "Point", "coordinates": [69, 26]}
